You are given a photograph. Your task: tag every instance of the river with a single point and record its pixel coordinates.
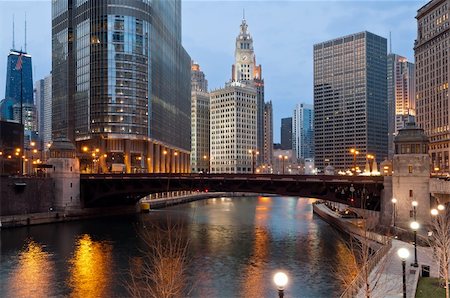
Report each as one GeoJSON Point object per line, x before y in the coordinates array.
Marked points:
{"type": "Point", "coordinates": [235, 246]}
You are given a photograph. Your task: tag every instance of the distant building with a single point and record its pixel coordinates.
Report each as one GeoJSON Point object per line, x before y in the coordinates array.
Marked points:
{"type": "Point", "coordinates": [247, 71]}
{"type": "Point", "coordinates": [43, 100]}
{"type": "Point", "coordinates": [19, 94]}
{"type": "Point", "coordinates": [123, 84]}
{"type": "Point", "coordinates": [401, 95]}
{"type": "Point", "coordinates": [286, 133]}
{"type": "Point", "coordinates": [199, 121]}
{"type": "Point", "coordinates": [233, 129]}
{"type": "Point", "coordinates": [19, 83]}
{"type": "Point", "coordinates": [350, 100]}
{"type": "Point", "coordinates": [285, 162]}
{"type": "Point", "coordinates": [431, 53]}
{"type": "Point", "coordinates": [268, 133]}
{"type": "Point", "coordinates": [303, 131]}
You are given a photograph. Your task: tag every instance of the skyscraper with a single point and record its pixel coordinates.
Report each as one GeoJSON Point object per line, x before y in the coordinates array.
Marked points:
{"type": "Point", "coordinates": [233, 129]}
{"type": "Point", "coordinates": [401, 95]}
{"type": "Point", "coordinates": [432, 55]}
{"type": "Point", "coordinates": [303, 131]}
{"type": "Point", "coordinates": [123, 82]}
{"type": "Point", "coordinates": [286, 133]}
{"type": "Point", "coordinates": [268, 134]}
{"type": "Point", "coordinates": [199, 121]}
{"type": "Point", "coordinates": [246, 70]}
{"type": "Point", "coordinates": [43, 100]}
{"type": "Point", "coordinates": [350, 99]}
{"type": "Point", "coordinates": [19, 83]}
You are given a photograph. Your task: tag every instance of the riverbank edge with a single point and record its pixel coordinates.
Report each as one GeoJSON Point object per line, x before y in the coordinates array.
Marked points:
{"type": "Point", "coordinates": [30, 219]}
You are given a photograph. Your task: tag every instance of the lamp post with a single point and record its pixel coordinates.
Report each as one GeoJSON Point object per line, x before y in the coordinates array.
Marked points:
{"type": "Point", "coordinates": [280, 279]}
{"type": "Point", "coordinates": [205, 157]}
{"type": "Point", "coordinates": [394, 202]}
{"type": "Point", "coordinates": [414, 204]}
{"type": "Point", "coordinates": [354, 152]}
{"type": "Point", "coordinates": [403, 253]}
{"type": "Point", "coordinates": [283, 158]}
{"type": "Point", "coordinates": [370, 159]}
{"type": "Point", "coordinates": [415, 226]}
{"type": "Point", "coordinates": [253, 153]}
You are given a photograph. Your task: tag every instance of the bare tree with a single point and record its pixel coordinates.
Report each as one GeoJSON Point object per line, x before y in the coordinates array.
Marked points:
{"type": "Point", "coordinates": [440, 241]}
{"type": "Point", "coordinates": [362, 258]}
{"type": "Point", "coordinates": [162, 271]}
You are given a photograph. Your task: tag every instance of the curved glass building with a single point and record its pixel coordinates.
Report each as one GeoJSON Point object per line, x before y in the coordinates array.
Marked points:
{"type": "Point", "coordinates": [121, 84]}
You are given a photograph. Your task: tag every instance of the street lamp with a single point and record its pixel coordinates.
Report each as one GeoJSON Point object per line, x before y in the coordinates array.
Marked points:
{"type": "Point", "coordinates": [415, 226]}
{"type": "Point", "coordinates": [280, 279]}
{"type": "Point", "coordinates": [370, 159]}
{"type": "Point", "coordinates": [414, 204]}
{"type": "Point", "coordinates": [354, 152]}
{"type": "Point", "coordinates": [394, 201]}
{"type": "Point", "coordinates": [205, 157]}
{"type": "Point", "coordinates": [440, 207]}
{"type": "Point", "coordinates": [283, 158]}
{"type": "Point", "coordinates": [253, 153]}
{"type": "Point", "coordinates": [403, 253]}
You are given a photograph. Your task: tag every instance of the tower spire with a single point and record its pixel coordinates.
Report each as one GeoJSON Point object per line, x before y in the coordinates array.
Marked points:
{"type": "Point", "coordinates": [13, 43]}
{"type": "Point", "coordinates": [25, 32]}
{"type": "Point", "coordinates": [243, 13]}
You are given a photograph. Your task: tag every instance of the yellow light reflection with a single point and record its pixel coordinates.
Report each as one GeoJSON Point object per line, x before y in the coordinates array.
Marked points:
{"type": "Point", "coordinates": [254, 280]}
{"type": "Point", "coordinates": [91, 268]}
{"type": "Point", "coordinates": [33, 274]}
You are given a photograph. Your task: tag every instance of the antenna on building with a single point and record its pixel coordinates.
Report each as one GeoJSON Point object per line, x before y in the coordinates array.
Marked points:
{"type": "Point", "coordinates": [243, 13]}
{"type": "Point", "coordinates": [25, 32]}
{"type": "Point", "coordinates": [13, 43]}
{"type": "Point", "coordinates": [390, 43]}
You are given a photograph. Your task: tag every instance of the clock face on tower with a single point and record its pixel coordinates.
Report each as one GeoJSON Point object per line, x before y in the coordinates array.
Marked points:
{"type": "Point", "coordinates": [244, 58]}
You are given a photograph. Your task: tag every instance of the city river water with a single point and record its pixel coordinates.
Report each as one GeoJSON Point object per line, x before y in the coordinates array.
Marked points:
{"type": "Point", "coordinates": [235, 246]}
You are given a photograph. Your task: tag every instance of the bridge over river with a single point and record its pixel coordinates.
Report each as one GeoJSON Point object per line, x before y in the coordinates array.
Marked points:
{"type": "Point", "coordinates": [98, 190]}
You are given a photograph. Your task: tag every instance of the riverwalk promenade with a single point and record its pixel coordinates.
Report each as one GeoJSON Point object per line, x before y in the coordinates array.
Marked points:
{"type": "Point", "coordinates": [386, 277]}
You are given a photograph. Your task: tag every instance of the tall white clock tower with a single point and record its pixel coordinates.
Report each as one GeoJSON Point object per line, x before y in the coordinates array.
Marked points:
{"type": "Point", "coordinates": [244, 68]}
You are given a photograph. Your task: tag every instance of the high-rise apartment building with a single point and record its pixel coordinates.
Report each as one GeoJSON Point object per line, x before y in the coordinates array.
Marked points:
{"type": "Point", "coordinates": [268, 134]}
{"type": "Point", "coordinates": [303, 131]}
{"type": "Point", "coordinates": [350, 99]}
{"type": "Point", "coordinates": [286, 133]}
{"type": "Point", "coordinates": [432, 55]}
{"type": "Point", "coordinates": [233, 129]}
{"type": "Point", "coordinates": [246, 70]}
{"type": "Point", "coordinates": [401, 95]}
{"type": "Point", "coordinates": [43, 100]}
{"type": "Point", "coordinates": [199, 121]}
{"type": "Point", "coordinates": [123, 83]}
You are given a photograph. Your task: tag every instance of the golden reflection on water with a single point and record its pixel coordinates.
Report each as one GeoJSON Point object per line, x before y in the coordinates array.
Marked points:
{"type": "Point", "coordinates": [90, 268]}
{"type": "Point", "coordinates": [253, 283]}
{"type": "Point", "coordinates": [33, 274]}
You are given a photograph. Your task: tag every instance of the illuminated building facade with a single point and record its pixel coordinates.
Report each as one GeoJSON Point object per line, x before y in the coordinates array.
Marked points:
{"type": "Point", "coordinates": [123, 84]}
{"type": "Point", "coordinates": [268, 134]}
{"type": "Point", "coordinates": [247, 71]}
{"type": "Point", "coordinates": [401, 95]}
{"type": "Point", "coordinates": [432, 55]}
{"type": "Point", "coordinates": [350, 100]}
{"type": "Point", "coordinates": [233, 129]}
{"type": "Point", "coordinates": [199, 121]}
{"type": "Point", "coordinates": [303, 131]}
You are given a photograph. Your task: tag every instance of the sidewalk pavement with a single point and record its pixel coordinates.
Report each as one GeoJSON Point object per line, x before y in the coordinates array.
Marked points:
{"type": "Point", "coordinates": [386, 278]}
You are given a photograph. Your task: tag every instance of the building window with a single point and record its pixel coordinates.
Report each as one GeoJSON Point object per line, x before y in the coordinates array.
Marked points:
{"type": "Point", "coordinates": [410, 193]}
{"type": "Point", "coordinates": [410, 169]}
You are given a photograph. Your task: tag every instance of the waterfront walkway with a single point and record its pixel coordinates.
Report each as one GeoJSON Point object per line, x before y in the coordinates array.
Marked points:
{"type": "Point", "coordinates": [386, 278]}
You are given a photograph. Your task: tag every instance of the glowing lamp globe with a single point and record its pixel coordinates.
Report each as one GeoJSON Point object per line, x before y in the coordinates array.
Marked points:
{"type": "Point", "coordinates": [280, 279]}
{"type": "Point", "coordinates": [403, 253]}
{"type": "Point", "coordinates": [414, 225]}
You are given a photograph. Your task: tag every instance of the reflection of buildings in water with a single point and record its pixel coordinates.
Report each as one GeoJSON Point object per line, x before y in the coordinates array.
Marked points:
{"type": "Point", "coordinates": [90, 268]}
{"type": "Point", "coordinates": [254, 275]}
{"type": "Point", "coordinates": [29, 279]}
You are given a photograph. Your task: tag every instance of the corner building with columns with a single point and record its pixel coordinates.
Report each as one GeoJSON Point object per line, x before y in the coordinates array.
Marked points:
{"type": "Point", "coordinates": [121, 88]}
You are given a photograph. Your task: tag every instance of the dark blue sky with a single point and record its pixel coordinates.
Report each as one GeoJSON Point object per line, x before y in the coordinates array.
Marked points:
{"type": "Point", "coordinates": [283, 31]}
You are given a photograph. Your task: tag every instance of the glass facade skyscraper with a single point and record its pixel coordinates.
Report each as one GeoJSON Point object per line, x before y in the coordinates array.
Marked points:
{"type": "Point", "coordinates": [123, 82]}
{"type": "Point", "coordinates": [16, 79]}
{"type": "Point", "coordinates": [286, 133]}
{"type": "Point", "coordinates": [303, 131]}
{"type": "Point", "coordinates": [350, 100]}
